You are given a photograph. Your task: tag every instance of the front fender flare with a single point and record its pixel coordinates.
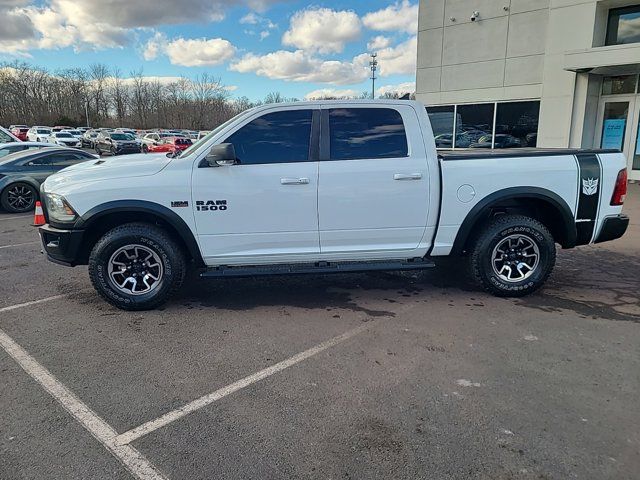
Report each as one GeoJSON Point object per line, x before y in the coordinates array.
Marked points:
{"type": "Point", "coordinates": [140, 206]}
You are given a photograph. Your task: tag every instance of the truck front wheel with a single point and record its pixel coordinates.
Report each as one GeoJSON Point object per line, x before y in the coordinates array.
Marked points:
{"type": "Point", "coordinates": [136, 266]}
{"type": "Point", "coordinates": [513, 256]}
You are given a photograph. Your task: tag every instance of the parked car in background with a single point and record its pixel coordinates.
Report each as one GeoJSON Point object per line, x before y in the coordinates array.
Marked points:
{"type": "Point", "coordinates": [22, 173]}
{"type": "Point", "coordinates": [6, 136]}
{"type": "Point", "coordinates": [152, 139]}
{"type": "Point", "coordinates": [203, 133]}
{"type": "Point", "coordinates": [64, 139]}
{"type": "Point", "coordinates": [501, 141]}
{"type": "Point", "coordinates": [76, 133]}
{"type": "Point", "coordinates": [59, 128]}
{"type": "Point", "coordinates": [20, 132]}
{"type": "Point", "coordinates": [116, 143]}
{"type": "Point", "coordinates": [88, 138]}
{"type": "Point", "coordinates": [170, 145]}
{"type": "Point", "coordinates": [15, 147]}
{"type": "Point", "coordinates": [38, 134]}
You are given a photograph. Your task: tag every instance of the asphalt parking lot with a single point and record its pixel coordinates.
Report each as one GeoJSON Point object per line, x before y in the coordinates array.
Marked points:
{"type": "Point", "coordinates": [359, 376]}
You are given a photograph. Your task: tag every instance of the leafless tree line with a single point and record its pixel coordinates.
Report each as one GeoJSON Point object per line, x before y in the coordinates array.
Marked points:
{"type": "Point", "coordinates": [34, 96]}
{"type": "Point", "coordinates": [98, 96]}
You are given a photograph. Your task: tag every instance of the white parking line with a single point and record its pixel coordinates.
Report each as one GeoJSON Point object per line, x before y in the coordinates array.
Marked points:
{"type": "Point", "coordinates": [34, 302]}
{"type": "Point", "coordinates": [133, 460]}
{"type": "Point", "coordinates": [15, 217]}
{"type": "Point", "coordinates": [167, 418]}
{"type": "Point", "coordinates": [18, 245]}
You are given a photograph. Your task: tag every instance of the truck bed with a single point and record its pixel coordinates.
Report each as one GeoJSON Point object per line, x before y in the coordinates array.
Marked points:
{"type": "Point", "coordinates": [480, 153]}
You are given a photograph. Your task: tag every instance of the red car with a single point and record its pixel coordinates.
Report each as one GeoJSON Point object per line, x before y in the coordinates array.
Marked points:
{"type": "Point", "coordinates": [170, 144]}
{"type": "Point", "coordinates": [20, 132]}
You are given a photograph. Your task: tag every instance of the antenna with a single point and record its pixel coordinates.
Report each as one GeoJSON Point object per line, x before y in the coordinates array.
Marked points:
{"type": "Point", "coordinates": [374, 67]}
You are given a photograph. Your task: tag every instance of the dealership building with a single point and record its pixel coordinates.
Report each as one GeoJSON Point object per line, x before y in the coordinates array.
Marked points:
{"type": "Point", "coordinates": [545, 73]}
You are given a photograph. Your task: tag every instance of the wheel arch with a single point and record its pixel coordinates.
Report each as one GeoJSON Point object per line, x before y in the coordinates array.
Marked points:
{"type": "Point", "coordinates": [539, 203]}
{"type": "Point", "coordinates": [102, 218]}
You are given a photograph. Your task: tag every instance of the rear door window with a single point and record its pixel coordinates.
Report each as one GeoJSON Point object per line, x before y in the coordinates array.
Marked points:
{"type": "Point", "coordinates": [366, 133]}
{"type": "Point", "coordinates": [278, 137]}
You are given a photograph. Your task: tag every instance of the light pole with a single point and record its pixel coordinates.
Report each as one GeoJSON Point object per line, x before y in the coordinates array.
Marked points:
{"type": "Point", "coordinates": [374, 67]}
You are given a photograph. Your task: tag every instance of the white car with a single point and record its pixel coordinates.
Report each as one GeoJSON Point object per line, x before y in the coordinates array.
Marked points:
{"type": "Point", "coordinates": [38, 134]}
{"type": "Point", "coordinates": [76, 133]}
{"type": "Point", "coordinates": [328, 187]}
{"type": "Point", "coordinates": [15, 147]}
{"type": "Point", "coordinates": [64, 139]}
{"type": "Point", "coordinates": [6, 136]}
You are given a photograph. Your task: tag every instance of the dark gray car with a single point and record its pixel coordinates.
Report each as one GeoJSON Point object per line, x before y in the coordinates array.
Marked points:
{"type": "Point", "coordinates": [21, 174]}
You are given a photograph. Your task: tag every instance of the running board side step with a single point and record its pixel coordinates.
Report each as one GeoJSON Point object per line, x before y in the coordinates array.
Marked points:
{"type": "Point", "coordinates": [317, 268]}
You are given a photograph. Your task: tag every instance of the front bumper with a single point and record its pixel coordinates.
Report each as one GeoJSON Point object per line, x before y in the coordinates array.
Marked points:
{"type": "Point", "coordinates": [613, 228]}
{"type": "Point", "coordinates": [62, 246]}
{"type": "Point", "coordinates": [128, 149]}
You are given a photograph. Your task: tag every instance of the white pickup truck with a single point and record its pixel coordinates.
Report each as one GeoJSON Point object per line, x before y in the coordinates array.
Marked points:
{"type": "Point", "coordinates": [320, 187]}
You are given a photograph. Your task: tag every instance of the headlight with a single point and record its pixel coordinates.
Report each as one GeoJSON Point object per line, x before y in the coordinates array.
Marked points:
{"type": "Point", "coordinates": [58, 209]}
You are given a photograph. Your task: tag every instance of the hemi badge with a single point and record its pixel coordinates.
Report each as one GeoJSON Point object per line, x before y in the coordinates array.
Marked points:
{"type": "Point", "coordinates": [182, 203]}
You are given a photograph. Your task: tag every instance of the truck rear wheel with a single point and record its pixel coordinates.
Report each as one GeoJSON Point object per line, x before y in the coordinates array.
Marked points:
{"type": "Point", "coordinates": [513, 256]}
{"type": "Point", "coordinates": [136, 266]}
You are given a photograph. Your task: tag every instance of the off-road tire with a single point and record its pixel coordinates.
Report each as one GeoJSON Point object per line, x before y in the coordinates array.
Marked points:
{"type": "Point", "coordinates": [151, 237]}
{"type": "Point", "coordinates": [493, 233]}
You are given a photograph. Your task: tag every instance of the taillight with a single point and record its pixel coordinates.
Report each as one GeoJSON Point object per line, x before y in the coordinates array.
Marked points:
{"type": "Point", "coordinates": [620, 191]}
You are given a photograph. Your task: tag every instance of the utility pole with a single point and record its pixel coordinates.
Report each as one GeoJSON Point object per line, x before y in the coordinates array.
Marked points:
{"type": "Point", "coordinates": [374, 67]}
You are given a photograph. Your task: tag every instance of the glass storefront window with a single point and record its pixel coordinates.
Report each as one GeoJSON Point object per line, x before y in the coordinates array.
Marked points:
{"type": "Point", "coordinates": [636, 151]}
{"type": "Point", "coordinates": [614, 125]}
{"type": "Point", "coordinates": [474, 126]}
{"type": "Point", "coordinates": [442, 125]}
{"type": "Point", "coordinates": [623, 26]}
{"type": "Point", "coordinates": [621, 85]}
{"type": "Point", "coordinates": [517, 124]}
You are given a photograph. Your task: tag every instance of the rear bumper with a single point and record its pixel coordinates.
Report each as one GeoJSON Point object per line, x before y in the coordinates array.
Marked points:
{"type": "Point", "coordinates": [613, 228]}
{"type": "Point", "coordinates": [61, 246]}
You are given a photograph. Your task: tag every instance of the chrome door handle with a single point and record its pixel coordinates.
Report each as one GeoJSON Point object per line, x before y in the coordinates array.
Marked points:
{"type": "Point", "coordinates": [405, 176]}
{"type": "Point", "coordinates": [294, 181]}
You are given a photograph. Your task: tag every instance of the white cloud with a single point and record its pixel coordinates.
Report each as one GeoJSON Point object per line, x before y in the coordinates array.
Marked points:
{"type": "Point", "coordinates": [250, 18]}
{"type": "Point", "coordinates": [332, 93]}
{"type": "Point", "coordinates": [264, 34]}
{"type": "Point", "coordinates": [98, 24]}
{"type": "Point", "coordinates": [322, 30]}
{"type": "Point", "coordinates": [154, 46]}
{"type": "Point", "coordinates": [199, 52]}
{"type": "Point", "coordinates": [300, 66]}
{"type": "Point", "coordinates": [398, 60]}
{"type": "Point", "coordinates": [401, 89]}
{"type": "Point", "coordinates": [378, 43]}
{"type": "Point", "coordinates": [399, 16]}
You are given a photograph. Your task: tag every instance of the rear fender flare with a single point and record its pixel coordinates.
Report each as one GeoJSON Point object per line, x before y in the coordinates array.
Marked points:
{"type": "Point", "coordinates": [484, 206]}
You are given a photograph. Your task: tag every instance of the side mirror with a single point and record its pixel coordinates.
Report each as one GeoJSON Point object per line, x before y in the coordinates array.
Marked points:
{"type": "Point", "coordinates": [222, 155]}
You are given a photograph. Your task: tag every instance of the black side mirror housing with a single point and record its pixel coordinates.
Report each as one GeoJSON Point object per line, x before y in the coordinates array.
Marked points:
{"type": "Point", "coordinates": [222, 155]}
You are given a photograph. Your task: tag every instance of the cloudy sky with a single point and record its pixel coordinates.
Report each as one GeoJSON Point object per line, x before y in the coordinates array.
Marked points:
{"type": "Point", "coordinates": [255, 46]}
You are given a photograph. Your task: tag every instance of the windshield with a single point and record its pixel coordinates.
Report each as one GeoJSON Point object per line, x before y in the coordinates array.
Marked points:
{"type": "Point", "coordinates": [43, 131]}
{"type": "Point", "coordinates": [121, 136]}
{"type": "Point", "coordinates": [63, 135]}
{"type": "Point", "coordinates": [75, 132]}
{"type": "Point", "coordinates": [212, 133]}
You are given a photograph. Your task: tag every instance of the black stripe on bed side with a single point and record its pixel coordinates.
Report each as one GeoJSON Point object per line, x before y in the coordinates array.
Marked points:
{"type": "Point", "coordinates": [590, 177]}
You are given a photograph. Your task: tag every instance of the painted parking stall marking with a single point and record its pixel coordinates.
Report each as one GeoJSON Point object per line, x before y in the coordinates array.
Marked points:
{"type": "Point", "coordinates": [18, 245]}
{"type": "Point", "coordinates": [133, 460]}
{"type": "Point", "coordinates": [205, 400]}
